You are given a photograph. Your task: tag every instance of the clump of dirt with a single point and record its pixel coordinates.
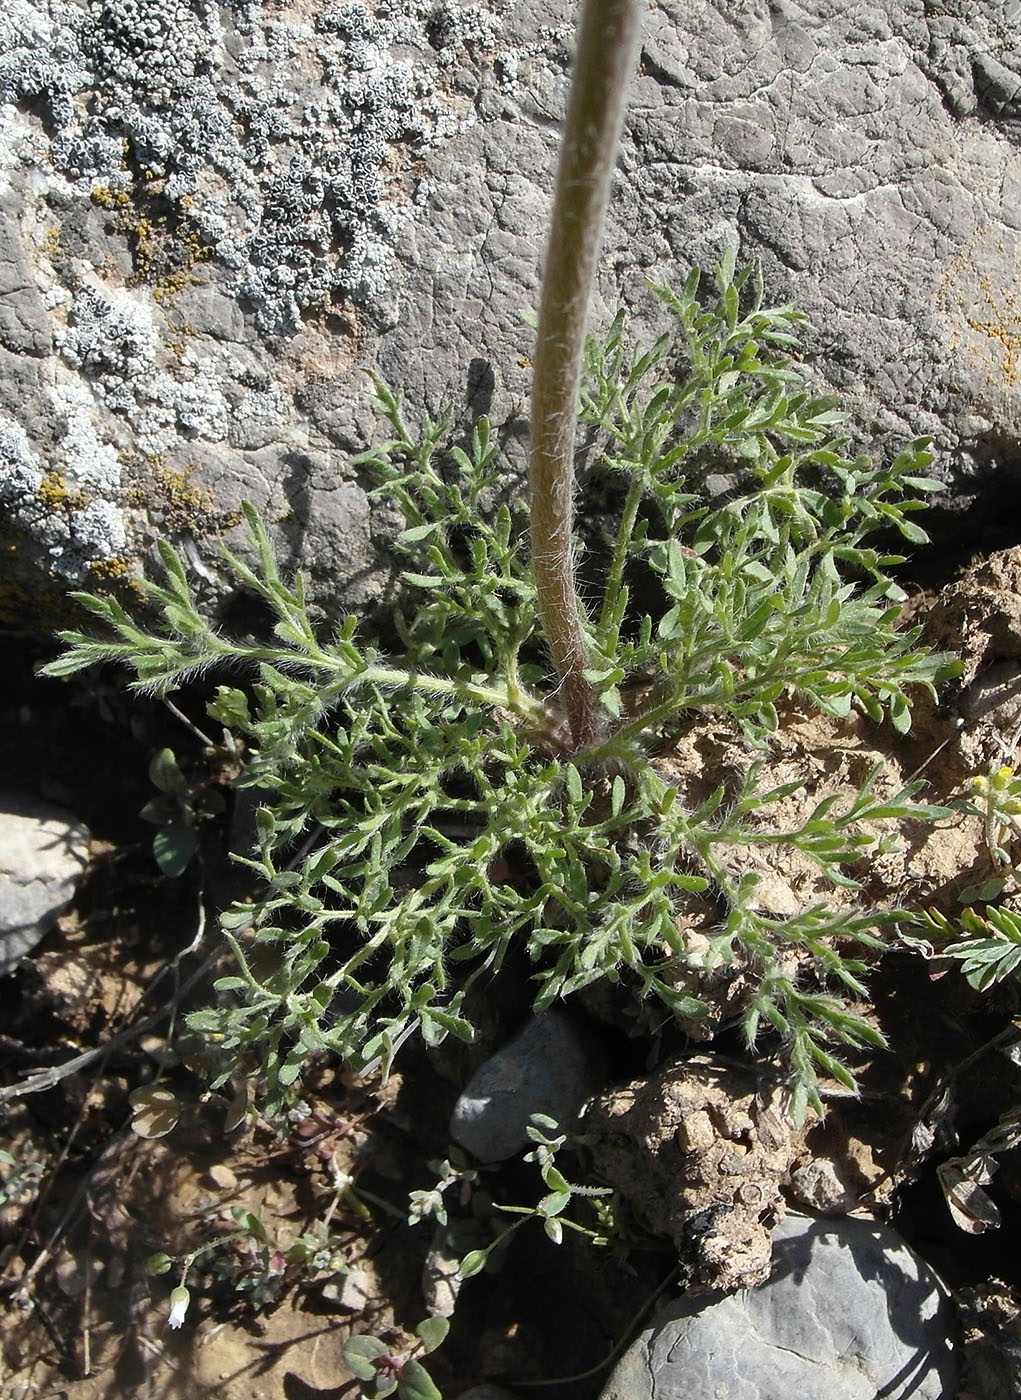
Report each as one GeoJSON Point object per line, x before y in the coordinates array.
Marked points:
{"type": "Point", "coordinates": [702, 1150]}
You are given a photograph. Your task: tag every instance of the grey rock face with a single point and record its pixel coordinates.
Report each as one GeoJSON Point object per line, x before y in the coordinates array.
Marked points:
{"type": "Point", "coordinates": [849, 1313]}
{"type": "Point", "coordinates": [42, 855]}
{"type": "Point", "coordinates": [214, 216]}
{"type": "Point", "coordinates": [25, 326]}
{"type": "Point", "coordinates": [549, 1067]}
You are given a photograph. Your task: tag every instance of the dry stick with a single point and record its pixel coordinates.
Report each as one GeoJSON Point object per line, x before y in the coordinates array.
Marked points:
{"type": "Point", "coordinates": [607, 48]}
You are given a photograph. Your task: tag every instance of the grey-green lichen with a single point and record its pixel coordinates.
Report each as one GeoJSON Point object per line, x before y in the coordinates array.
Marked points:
{"type": "Point", "coordinates": [274, 127]}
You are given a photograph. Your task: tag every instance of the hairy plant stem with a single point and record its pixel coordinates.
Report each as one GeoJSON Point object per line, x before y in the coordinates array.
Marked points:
{"type": "Point", "coordinates": [514, 698]}
{"type": "Point", "coordinates": [607, 46]}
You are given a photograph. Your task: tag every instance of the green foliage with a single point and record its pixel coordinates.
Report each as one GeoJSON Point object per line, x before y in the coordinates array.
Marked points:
{"type": "Point", "coordinates": [420, 819]}
{"type": "Point", "coordinates": [990, 950]}
{"type": "Point", "coordinates": [250, 1263]}
{"type": "Point", "coordinates": [451, 1171]}
{"type": "Point", "coordinates": [175, 843]}
{"type": "Point", "coordinates": [549, 1209]}
{"type": "Point", "coordinates": [989, 953]}
{"type": "Point", "coordinates": [383, 1371]}
{"type": "Point", "coordinates": [181, 807]}
{"type": "Point", "coordinates": [762, 591]}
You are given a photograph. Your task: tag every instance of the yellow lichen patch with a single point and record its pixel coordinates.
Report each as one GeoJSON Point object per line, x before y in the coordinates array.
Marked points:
{"type": "Point", "coordinates": [183, 495]}
{"type": "Point", "coordinates": [106, 570]}
{"type": "Point", "coordinates": [980, 298]}
{"type": "Point", "coordinates": [173, 495]}
{"type": "Point", "coordinates": [172, 284]}
{"type": "Point", "coordinates": [53, 490]}
{"type": "Point", "coordinates": [165, 245]}
{"type": "Point", "coordinates": [107, 198]}
{"type": "Point", "coordinates": [1002, 326]}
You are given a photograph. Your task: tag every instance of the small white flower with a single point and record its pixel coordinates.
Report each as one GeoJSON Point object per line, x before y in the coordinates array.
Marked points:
{"type": "Point", "coordinates": [179, 1300]}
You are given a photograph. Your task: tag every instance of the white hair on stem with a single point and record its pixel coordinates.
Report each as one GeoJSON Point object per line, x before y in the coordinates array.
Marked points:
{"type": "Point", "coordinates": [607, 47]}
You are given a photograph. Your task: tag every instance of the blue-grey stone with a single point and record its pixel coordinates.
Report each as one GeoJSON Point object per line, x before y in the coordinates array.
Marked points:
{"type": "Point", "coordinates": [849, 1312]}
{"type": "Point", "coordinates": [549, 1067]}
{"type": "Point", "coordinates": [42, 854]}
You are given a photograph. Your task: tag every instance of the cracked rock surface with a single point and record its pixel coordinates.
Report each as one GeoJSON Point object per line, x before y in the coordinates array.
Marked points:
{"type": "Point", "coordinates": [212, 218]}
{"type": "Point", "coordinates": [42, 855]}
{"type": "Point", "coordinates": [849, 1313]}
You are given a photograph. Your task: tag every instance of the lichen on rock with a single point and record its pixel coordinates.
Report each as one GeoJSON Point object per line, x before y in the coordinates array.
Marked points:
{"type": "Point", "coordinates": [191, 187]}
{"type": "Point", "coordinates": [274, 126]}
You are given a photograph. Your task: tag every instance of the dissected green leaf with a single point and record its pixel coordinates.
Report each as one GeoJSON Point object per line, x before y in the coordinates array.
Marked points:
{"type": "Point", "coordinates": [418, 819]}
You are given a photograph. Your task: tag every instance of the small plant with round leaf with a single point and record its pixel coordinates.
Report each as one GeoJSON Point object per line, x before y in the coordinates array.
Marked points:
{"type": "Point", "coordinates": [550, 1209]}
{"type": "Point", "coordinates": [382, 1370]}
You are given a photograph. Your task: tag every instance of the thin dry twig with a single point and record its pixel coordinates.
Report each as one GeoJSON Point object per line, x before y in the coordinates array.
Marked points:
{"type": "Point", "coordinates": [48, 1078]}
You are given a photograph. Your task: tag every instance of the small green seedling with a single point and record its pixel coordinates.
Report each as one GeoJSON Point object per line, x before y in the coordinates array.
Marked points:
{"type": "Point", "coordinates": [253, 1265]}
{"type": "Point", "coordinates": [251, 1230]}
{"type": "Point", "coordinates": [549, 1210]}
{"type": "Point", "coordinates": [383, 1370]}
{"type": "Point", "coordinates": [178, 811]}
{"type": "Point", "coordinates": [451, 1171]}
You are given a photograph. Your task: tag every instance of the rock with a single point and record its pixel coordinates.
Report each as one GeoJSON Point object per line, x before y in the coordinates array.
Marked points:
{"type": "Point", "coordinates": [42, 854]}
{"type": "Point", "coordinates": [849, 1313]}
{"type": "Point", "coordinates": [825, 1187]}
{"type": "Point", "coordinates": [222, 1177]}
{"type": "Point", "coordinates": [25, 323]}
{"type": "Point", "coordinates": [441, 1282]}
{"type": "Point", "coordinates": [351, 1292]}
{"type": "Point", "coordinates": [224, 212]}
{"type": "Point", "coordinates": [979, 615]}
{"type": "Point", "coordinates": [549, 1067]}
{"type": "Point", "coordinates": [702, 1150]}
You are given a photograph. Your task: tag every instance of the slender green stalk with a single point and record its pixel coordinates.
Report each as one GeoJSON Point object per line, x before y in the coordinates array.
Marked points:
{"type": "Point", "coordinates": [618, 563]}
{"type": "Point", "coordinates": [607, 47]}
{"type": "Point", "coordinates": [393, 677]}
